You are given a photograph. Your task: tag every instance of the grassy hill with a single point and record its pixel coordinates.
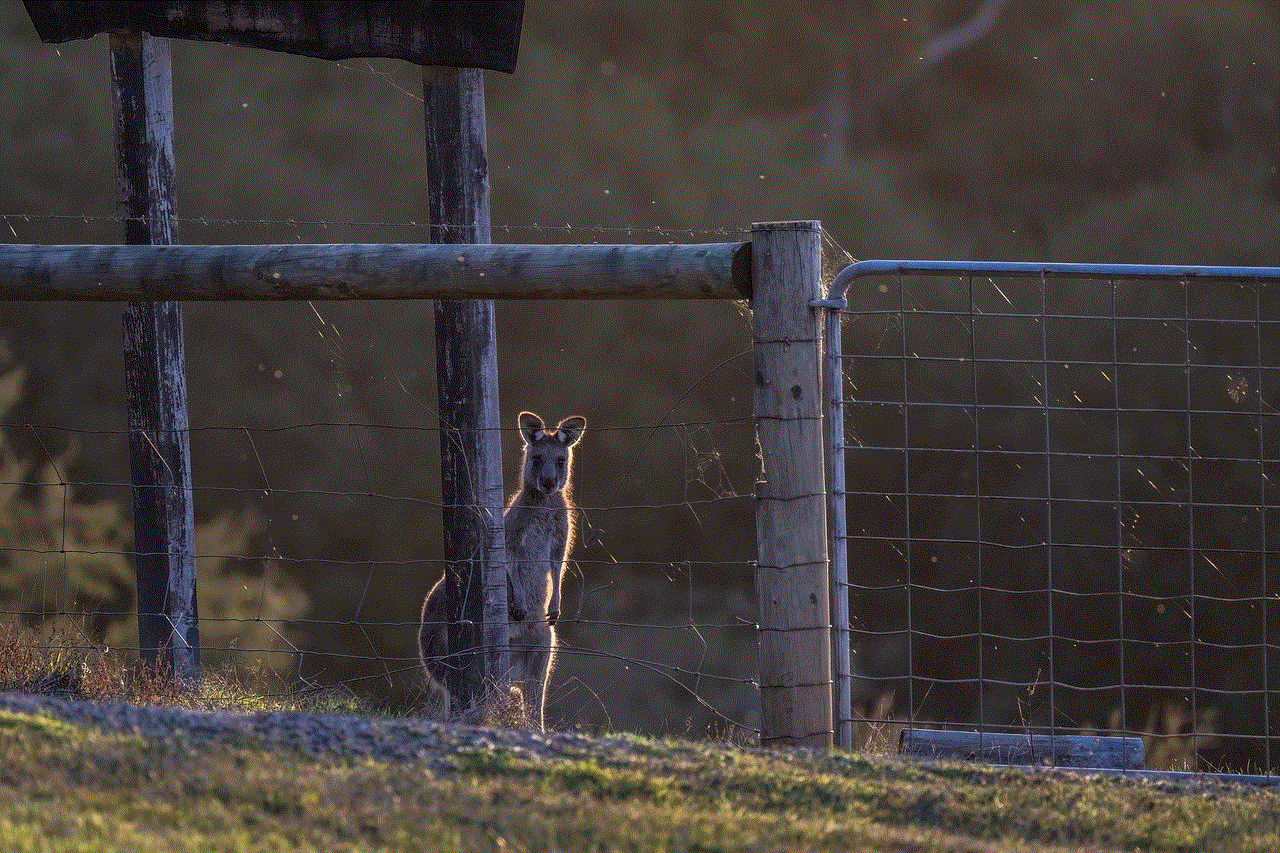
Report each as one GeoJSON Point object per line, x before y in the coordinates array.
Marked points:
{"type": "Point", "coordinates": [64, 787]}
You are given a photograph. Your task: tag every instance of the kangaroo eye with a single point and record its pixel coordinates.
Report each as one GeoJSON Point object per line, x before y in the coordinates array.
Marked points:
{"type": "Point", "coordinates": [559, 463]}
{"type": "Point", "coordinates": [537, 460]}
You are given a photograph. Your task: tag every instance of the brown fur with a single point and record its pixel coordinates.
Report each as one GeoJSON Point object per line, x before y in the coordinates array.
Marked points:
{"type": "Point", "coordinates": [539, 523]}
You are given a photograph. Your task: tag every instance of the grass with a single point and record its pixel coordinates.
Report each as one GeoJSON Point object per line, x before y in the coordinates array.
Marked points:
{"type": "Point", "coordinates": [58, 664]}
{"type": "Point", "coordinates": [66, 788]}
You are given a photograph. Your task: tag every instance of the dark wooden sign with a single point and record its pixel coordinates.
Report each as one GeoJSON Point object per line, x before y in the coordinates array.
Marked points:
{"type": "Point", "coordinates": [426, 32]}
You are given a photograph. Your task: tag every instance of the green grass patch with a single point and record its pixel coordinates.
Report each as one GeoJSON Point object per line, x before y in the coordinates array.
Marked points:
{"type": "Point", "coordinates": [64, 788]}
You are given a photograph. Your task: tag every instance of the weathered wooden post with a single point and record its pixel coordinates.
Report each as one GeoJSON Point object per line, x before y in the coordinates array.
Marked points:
{"type": "Point", "coordinates": [467, 391]}
{"type": "Point", "coordinates": [155, 373]}
{"type": "Point", "coordinates": [791, 572]}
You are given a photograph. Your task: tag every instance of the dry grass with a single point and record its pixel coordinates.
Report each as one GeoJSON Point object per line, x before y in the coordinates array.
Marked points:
{"type": "Point", "coordinates": [57, 664]}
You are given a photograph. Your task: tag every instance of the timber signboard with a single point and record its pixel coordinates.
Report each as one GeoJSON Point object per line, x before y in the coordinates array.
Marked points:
{"type": "Point", "coordinates": [426, 32]}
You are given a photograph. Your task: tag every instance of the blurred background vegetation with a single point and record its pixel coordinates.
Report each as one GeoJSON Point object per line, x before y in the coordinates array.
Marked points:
{"type": "Point", "coordinates": [1077, 131]}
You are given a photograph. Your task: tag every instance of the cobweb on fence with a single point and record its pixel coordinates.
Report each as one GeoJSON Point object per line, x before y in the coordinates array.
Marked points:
{"type": "Point", "coordinates": [315, 466]}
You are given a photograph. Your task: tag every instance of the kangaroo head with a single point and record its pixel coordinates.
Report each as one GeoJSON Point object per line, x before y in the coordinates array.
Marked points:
{"type": "Point", "coordinates": [548, 453]}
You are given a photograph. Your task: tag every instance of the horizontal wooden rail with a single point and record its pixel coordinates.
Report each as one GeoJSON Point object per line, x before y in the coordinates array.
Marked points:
{"type": "Point", "coordinates": [374, 271]}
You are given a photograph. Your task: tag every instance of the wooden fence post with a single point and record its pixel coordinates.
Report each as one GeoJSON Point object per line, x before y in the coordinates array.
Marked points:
{"type": "Point", "coordinates": [791, 572]}
{"type": "Point", "coordinates": [155, 374]}
{"type": "Point", "coordinates": [467, 392]}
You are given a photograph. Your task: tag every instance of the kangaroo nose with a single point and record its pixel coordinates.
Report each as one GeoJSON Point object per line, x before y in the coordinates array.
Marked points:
{"type": "Point", "coordinates": [547, 484]}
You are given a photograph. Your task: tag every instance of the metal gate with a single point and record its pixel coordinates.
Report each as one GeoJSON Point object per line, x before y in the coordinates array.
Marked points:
{"type": "Point", "coordinates": [1053, 503]}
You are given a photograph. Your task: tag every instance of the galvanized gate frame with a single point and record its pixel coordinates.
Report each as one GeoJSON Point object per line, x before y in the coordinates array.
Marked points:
{"type": "Point", "coordinates": [832, 304]}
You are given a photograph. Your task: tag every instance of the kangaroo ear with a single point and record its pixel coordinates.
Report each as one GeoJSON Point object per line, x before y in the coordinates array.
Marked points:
{"type": "Point", "coordinates": [569, 430]}
{"type": "Point", "coordinates": [530, 427]}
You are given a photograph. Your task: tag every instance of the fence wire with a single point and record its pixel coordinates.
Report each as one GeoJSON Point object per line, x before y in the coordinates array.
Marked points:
{"type": "Point", "coordinates": [1059, 495]}
{"type": "Point", "coordinates": [317, 542]}
{"type": "Point", "coordinates": [318, 503]}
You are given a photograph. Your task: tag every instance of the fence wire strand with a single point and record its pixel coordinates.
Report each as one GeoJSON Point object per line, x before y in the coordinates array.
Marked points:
{"type": "Point", "coordinates": [593, 636]}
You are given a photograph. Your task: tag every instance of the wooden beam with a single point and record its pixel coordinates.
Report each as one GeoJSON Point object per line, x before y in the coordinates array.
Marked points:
{"type": "Point", "coordinates": [791, 535]}
{"type": "Point", "coordinates": [155, 371]}
{"type": "Point", "coordinates": [375, 271]}
{"type": "Point", "coordinates": [1116, 753]}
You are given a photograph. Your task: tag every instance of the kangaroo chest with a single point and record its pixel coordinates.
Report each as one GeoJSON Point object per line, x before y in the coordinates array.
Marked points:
{"type": "Point", "coordinates": [535, 534]}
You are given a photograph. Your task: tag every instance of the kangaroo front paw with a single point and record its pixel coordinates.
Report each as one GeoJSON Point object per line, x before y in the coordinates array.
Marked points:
{"type": "Point", "coordinates": [553, 616]}
{"type": "Point", "coordinates": [517, 615]}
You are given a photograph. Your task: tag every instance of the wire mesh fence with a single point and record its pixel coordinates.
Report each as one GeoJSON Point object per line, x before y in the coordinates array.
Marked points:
{"type": "Point", "coordinates": [318, 536]}
{"type": "Point", "coordinates": [1061, 504]}
{"type": "Point", "coordinates": [286, 599]}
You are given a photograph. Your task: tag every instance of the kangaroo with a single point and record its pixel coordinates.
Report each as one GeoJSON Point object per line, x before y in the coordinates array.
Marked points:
{"type": "Point", "coordinates": [539, 523]}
